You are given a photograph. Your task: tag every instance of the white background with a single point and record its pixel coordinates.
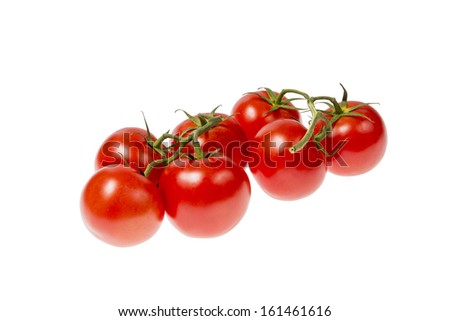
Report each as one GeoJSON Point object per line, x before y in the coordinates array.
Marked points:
{"type": "Point", "coordinates": [373, 247]}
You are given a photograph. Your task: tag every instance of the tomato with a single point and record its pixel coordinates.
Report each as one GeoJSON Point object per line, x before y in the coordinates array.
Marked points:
{"type": "Point", "coordinates": [206, 197]}
{"type": "Point", "coordinates": [280, 173]}
{"type": "Point", "coordinates": [252, 112]}
{"type": "Point", "coordinates": [121, 207]}
{"type": "Point", "coordinates": [228, 137]}
{"type": "Point", "coordinates": [358, 143]}
{"type": "Point", "coordinates": [130, 144]}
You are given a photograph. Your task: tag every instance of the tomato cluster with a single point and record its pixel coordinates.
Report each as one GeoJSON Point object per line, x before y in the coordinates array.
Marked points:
{"type": "Point", "coordinates": [196, 175]}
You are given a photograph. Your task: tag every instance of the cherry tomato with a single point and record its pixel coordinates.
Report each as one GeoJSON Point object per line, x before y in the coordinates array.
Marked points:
{"type": "Point", "coordinates": [206, 197]}
{"type": "Point", "coordinates": [121, 207]}
{"type": "Point", "coordinates": [358, 143]}
{"type": "Point", "coordinates": [252, 112]}
{"type": "Point", "coordinates": [280, 173]}
{"type": "Point", "coordinates": [130, 144]}
{"type": "Point", "coordinates": [228, 137]}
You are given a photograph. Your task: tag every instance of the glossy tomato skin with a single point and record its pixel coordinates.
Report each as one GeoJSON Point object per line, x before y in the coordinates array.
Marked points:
{"type": "Point", "coordinates": [205, 198]}
{"type": "Point", "coordinates": [252, 113]}
{"type": "Point", "coordinates": [128, 143]}
{"type": "Point", "coordinates": [121, 207]}
{"type": "Point", "coordinates": [280, 173]}
{"type": "Point", "coordinates": [228, 137]}
{"type": "Point", "coordinates": [361, 143]}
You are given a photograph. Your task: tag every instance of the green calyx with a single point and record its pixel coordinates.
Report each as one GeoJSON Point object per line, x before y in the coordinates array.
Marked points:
{"type": "Point", "coordinates": [203, 123]}
{"type": "Point", "coordinates": [278, 101]}
{"type": "Point", "coordinates": [200, 119]}
{"type": "Point", "coordinates": [336, 111]}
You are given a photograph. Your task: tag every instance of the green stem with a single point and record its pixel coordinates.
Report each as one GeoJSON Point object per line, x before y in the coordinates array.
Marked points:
{"type": "Point", "coordinates": [157, 143]}
{"type": "Point", "coordinates": [329, 126]}
{"type": "Point", "coordinates": [310, 132]}
{"type": "Point", "coordinates": [334, 102]}
{"type": "Point", "coordinates": [287, 91]}
{"type": "Point", "coordinates": [150, 166]}
{"type": "Point", "coordinates": [197, 149]}
{"type": "Point", "coordinates": [316, 116]}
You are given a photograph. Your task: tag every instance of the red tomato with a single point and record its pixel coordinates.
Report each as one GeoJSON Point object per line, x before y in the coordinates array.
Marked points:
{"type": "Point", "coordinates": [121, 207]}
{"type": "Point", "coordinates": [280, 173]}
{"type": "Point", "coordinates": [252, 112]}
{"type": "Point", "coordinates": [228, 137]}
{"type": "Point", "coordinates": [360, 143]}
{"type": "Point", "coordinates": [130, 144]}
{"type": "Point", "coordinates": [206, 197]}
